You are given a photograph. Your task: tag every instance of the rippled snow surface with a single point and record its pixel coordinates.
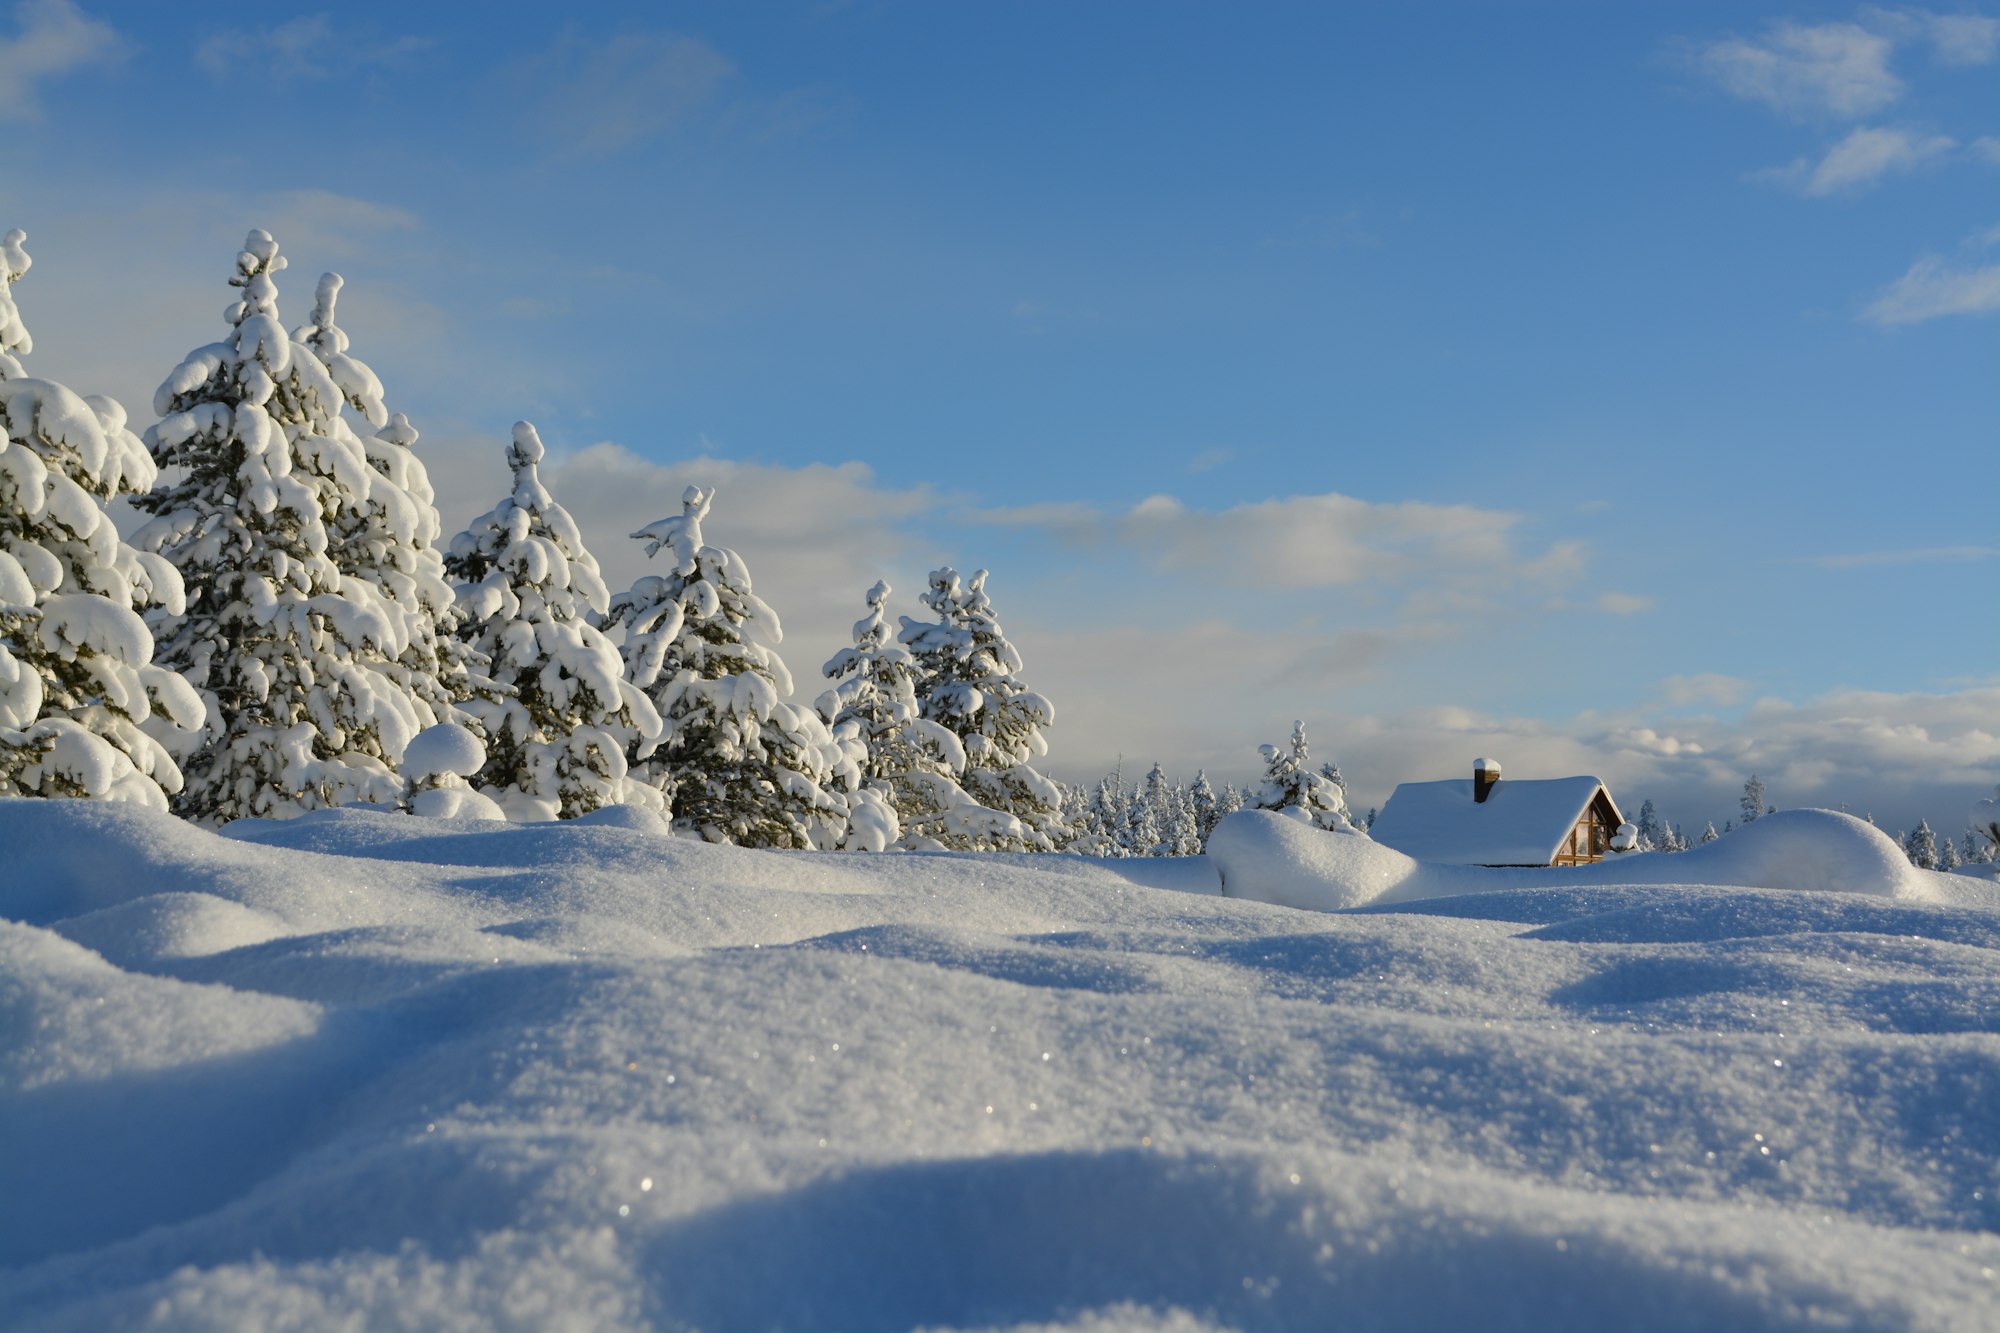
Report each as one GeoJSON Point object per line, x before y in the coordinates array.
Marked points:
{"type": "Point", "coordinates": [377, 1072]}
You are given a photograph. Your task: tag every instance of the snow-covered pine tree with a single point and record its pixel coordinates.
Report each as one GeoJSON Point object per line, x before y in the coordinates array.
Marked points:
{"type": "Point", "coordinates": [1920, 845]}
{"type": "Point", "coordinates": [556, 743]}
{"type": "Point", "coordinates": [1752, 802]}
{"type": "Point", "coordinates": [742, 763]}
{"type": "Point", "coordinates": [1708, 833]}
{"type": "Point", "coordinates": [1140, 835]}
{"type": "Point", "coordinates": [913, 760]}
{"type": "Point", "coordinates": [1202, 796]}
{"type": "Point", "coordinates": [1948, 856]}
{"type": "Point", "coordinates": [1652, 834]}
{"type": "Point", "coordinates": [1094, 817]}
{"type": "Point", "coordinates": [388, 537]}
{"type": "Point", "coordinates": [1170, 817]}
{"type": "Point", "coordinates": [968, 681]}
{"type": "Point", "coordinates": [78, 687]}
{"type": "Point", "coordinates": [281, 647]}
{"type": "Point", "coordinates": [1292, 787]}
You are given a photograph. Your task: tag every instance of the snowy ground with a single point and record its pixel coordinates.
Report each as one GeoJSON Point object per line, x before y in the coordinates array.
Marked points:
{"type": "Point", "coordinates": [372, 1071]}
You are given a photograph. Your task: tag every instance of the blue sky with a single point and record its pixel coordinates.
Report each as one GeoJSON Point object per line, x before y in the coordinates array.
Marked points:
{"type": "Point", "coordinates": [1606, 388]}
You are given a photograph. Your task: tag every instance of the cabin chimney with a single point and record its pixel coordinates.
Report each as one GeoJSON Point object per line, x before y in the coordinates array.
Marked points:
{"type": "Point", "coordinates": [1485, 777]}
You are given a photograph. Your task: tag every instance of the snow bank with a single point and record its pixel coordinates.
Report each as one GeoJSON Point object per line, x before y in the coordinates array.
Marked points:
{"type": "Point", "coordinates": [370, 1070]}
{"type": "Point", "coordinates": [1263, 856]}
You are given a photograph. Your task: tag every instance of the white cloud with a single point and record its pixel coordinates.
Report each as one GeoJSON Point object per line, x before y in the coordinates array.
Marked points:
{"type": "Point", "coordinates": [1839, 69]}
{"type": "Point", "coordinates": [1899, 756]}
{"type": "Point", "coordinates": [1861, 160]}
{"type": "Point", "coordinates": [603, 97]}
{"type": "Point", "coordinates": [53, 38]}
{"type": "Point", "coordinates": [1954, 39]}
{"type": "Point", "coordinates": [1931, 555]}
{"type": "Point", "coordinates": [1312, 541]}
{"type": "Point", "coordinates": [1208, 460]}
{"type": "Point", "coordinates": [1933, 288]}
{"type": "Point", "coordinates": [306, 47]}
{"type": "Point", "coordinates": [1622, 603]}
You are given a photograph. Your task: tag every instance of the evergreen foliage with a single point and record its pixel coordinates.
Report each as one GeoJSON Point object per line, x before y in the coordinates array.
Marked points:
{"type": "Point", "coordinates": [742, 764]}
{"type": "Point", "coordinates": [563, 718]}
{"type": "Point", "coordinates": [914, 762]}
{"type": "Point", "coordinates": [1752, 803]}
{"type": "Point", "coordinates": [1292, 786]}
{"type": "Point", "coordinates": [279, 644]}
{"type": "Point", "coordinates": [968, 682]}
{"type": "Point", "coordinates": [1920, 845]}
{"type": "Point", "coordinates": [78, 688]}
{"type": "Point", "coordinates": [389, 537]}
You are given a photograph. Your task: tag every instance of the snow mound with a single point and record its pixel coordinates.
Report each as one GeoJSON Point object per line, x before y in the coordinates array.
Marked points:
{"type": "Point", "coordinates": [1263, 856]}
{"type": "Point", "coordinates": [446, 749]}
{"type": "Point", "coordinates": [172, 925]}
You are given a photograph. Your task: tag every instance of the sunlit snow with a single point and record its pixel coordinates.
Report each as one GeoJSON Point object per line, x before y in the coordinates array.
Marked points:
{"type": "Point", "coordinates": [373, 1071]}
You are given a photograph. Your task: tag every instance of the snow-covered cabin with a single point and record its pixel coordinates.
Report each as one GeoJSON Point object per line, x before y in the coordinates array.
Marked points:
{"type": "Point", "coordinates": [1488, 822]}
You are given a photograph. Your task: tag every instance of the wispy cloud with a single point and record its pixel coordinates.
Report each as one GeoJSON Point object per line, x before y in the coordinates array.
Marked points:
{"type": "Point", "coordinates": [1209, 459]}
{"type": "Point", "coordinates": [1813, 71]}
{"type": "Point", "coordinates": [1311, 541]}
{"type": "Point", "coordinates": [306, 47]}
{"type": "Point", "coordinates": [603, 97]}
{"type": "Point", "coordinates": [1860, 160]}
{"type": "Point", "coordinates": [1933, 288]}
{"type": "Point", "coordinates": [1954, 39]}
{"type": "Point", "coordinates": [1931, 555]}
{"type": "Point", "coordinates": [1807, 70]}
{"type": "Point", "coordinates": [52, 38]}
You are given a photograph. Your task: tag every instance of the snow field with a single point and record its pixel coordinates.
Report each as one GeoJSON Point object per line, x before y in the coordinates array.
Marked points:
{"type": "Point", "coordinates": [376, 1071]}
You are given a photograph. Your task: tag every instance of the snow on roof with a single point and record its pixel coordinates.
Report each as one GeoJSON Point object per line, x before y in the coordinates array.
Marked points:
{"type": "Point", "coordinates": [1520, 823]}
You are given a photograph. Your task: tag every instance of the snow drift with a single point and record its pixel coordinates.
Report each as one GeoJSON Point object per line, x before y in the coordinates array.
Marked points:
{"type": "Point", "coordinates": [372, 1070]}
{"type": "Point", "coordinates": [1271, 858]}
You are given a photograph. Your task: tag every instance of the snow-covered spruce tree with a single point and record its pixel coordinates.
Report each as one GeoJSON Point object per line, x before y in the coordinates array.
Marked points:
{"type": "Point", "coordinates": [1948, 856]}
{"type": "Point", "coordinates": [1652, 834]}
{"type": "Point", "coordinates": [286, 652]}
{"type": "Point", "coordinates": [1920, 845]}
{"type": "Point", "coordinates": [968, 682]}
{"type": "Point", "coordinates": [742, 764]}
{"type": "Point", "coordinates": [1752, 802]}
{"type": "Point", "coordinates": [1202, 796]}
{"type": "Point", "coordinates": [915, 762]}
{"type": "Point", "coordinates": [1173, 818]}
{"type": "Point", "coordinates": [1293, 788]}
{"type": "Point", "coordinates": [388, 536]}
{"type": "Point", "coordinates": [77, 683]}
{"type": "Point", "coordinates": [1708, 833]}
{"type": "Point", "coordinates": [558, 736]}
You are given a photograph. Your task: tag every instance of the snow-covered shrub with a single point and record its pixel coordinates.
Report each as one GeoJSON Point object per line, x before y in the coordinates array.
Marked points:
{"type": "Point", "coordinates": [78, 688]}
{"type": "Point", "coordinates": [1318, 798]}
{"type": "Point", "coordinates": [558, 737]}
{"type": "Point", "coordinates": [968, 682]}
{"type": "Point", "coordinates": [741, 763]}
{"type": "Point", "coordinates": [285, 651]}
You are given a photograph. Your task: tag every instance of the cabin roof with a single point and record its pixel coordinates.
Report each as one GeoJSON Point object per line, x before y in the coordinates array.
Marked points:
{"type": "Point", "coordinates": [1520, 823]}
